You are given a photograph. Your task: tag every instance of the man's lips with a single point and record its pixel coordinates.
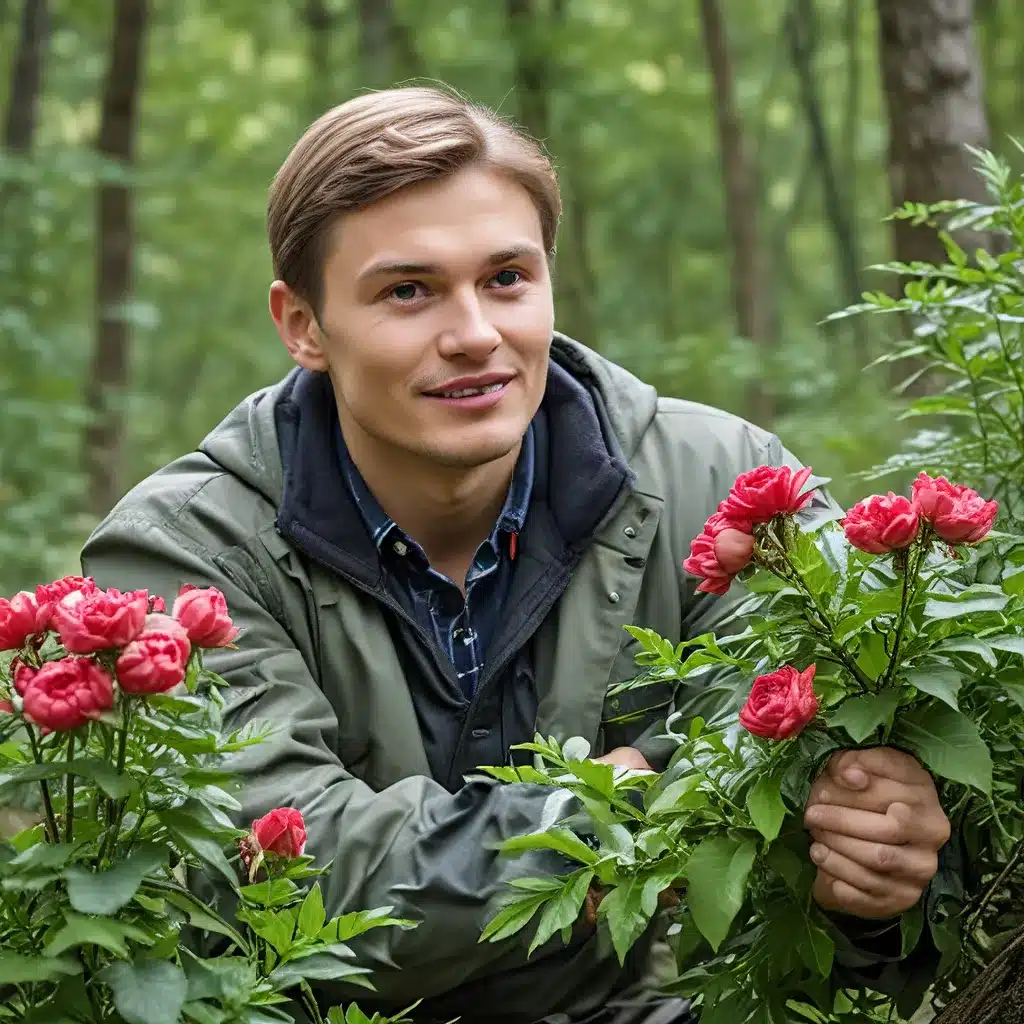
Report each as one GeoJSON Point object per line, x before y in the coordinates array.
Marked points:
{"type": "Point", "coordinates": [466, 387]}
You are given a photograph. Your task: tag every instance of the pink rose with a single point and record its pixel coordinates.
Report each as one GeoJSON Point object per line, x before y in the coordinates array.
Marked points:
{"type": "Point", "coordinates": [102, 619]}
{"type": "Point", "coordinates": [49, 595]}
{"type": "Point", "coordinates": [157, 605]}
{"type": "Point", "coordinates": [204, 614]}
{"type": "Point", "coordinates": [703, 562]}
{"type": "Point", "coordinates": [153, 663]}
{"type": "Point", "coordinates": [761, 494]}
{"type": "Point", "coordinates": [282, 831]}
{"type": "Point", "coordinates": [20, 617]}
{"type": "Point", "coordinates": [68, 693]}
{"type": "Point", "coordinates": [781, 704]}
{"type": "Point", "coordinates": [882, 522]}
{"type": "Point", "coordinates": [958, 514]}
{"type": "Point", "coordinates": [163, 625]}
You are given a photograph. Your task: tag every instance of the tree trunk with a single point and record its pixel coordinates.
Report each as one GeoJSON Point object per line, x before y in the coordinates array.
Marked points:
{"type": "Point", "coordinates": [749, 284]}
{"type": "Point", "coordinates": [531, 78]}
{"type": "Point", "coordinates": [801, 30]}
{"type": "Point", "coordinates": [108, 374]}
{"type": "Point", "coordinates": [320, 23]}
{"type": "Point", "coordinates": [575, 289]}
{"type": "Point", "coordinates": [26, 89]}
{"type": "Point", "coordinates": [376, 33]}
{"type": "Point", "coordinates": [931, 74]}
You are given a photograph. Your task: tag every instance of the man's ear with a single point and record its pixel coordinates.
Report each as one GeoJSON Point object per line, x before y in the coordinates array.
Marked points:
{"type": "Point", "coordinates": [297, 325]}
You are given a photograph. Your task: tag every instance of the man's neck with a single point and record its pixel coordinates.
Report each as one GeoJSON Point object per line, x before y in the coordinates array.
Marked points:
{"type": "Point", "coordinates": [448, 511]}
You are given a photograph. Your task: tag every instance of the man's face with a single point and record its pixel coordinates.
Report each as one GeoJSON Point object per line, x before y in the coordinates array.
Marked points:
{"type": "Point", "coordinates": [437, 321]}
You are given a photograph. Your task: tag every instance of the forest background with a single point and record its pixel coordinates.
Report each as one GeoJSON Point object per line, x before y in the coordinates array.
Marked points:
{"type": "Point", "coordinates": [727, 168]}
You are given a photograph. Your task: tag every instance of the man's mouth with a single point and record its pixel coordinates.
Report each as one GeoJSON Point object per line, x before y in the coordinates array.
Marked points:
{"type": "Point", "coordinates": [469, 392]}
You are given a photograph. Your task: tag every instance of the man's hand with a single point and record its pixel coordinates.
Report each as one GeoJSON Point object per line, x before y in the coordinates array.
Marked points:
{"type": "Point", "coordinates": [626, 757]}
{"type": "Point", "coordinates": [877, 827]}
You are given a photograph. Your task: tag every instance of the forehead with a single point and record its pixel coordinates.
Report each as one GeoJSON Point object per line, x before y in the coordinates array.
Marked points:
{"type": "Point", "coordinates": [460, 219]}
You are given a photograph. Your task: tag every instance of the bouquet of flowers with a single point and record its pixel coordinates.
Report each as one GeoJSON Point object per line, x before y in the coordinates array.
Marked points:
{"type": "Point", "coordinates": [112, 753]}
{"type": "Point", "coordinates": [896, 623]}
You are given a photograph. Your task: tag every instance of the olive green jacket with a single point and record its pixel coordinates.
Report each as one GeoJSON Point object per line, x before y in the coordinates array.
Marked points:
{"type": "Point", "coordinates": [317, 660]}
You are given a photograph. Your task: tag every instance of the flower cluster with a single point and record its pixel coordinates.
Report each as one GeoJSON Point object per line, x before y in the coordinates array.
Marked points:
{"type": "Point", "coordinates": [756, 497]}
{"type": "Point", "coordinates": [108, 640]}
{"type": "Point", "coordinates": [888, 522]}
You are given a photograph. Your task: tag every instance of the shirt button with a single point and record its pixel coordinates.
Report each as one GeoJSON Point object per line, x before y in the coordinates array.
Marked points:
{"type": "Point", "coordinates": [614, 597]}
{"type": "Point", "coordinates": [630, 531]}
{"type": "Point", "coordinates": [400, 547]}
{"type": "Point", "coordinates": [481, 734]}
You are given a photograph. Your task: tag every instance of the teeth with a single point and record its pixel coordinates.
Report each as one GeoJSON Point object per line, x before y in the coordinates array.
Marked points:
{"type": "Point", "coordinates": [467, 392]}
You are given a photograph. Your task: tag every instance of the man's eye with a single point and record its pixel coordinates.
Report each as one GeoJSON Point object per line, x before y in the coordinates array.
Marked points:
{"type": "Point", "coordinates": [507, 278]}
{"type": "Point", "coordinates": [404, 292]}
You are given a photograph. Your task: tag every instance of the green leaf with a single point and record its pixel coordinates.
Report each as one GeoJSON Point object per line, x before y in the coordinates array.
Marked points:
{"type": "Point", "coordinates": [872, 657]}
{"type": "Point", "coordinates": [348, 926]}
{"type": "Point", "coordinates": [764, 802]}
{"type": "Point", "coordinates": [201, 917]}
{"type": "Point", "coordinates": [105, 892]}
{"type": "Point", "coordinates": [629, 907]}
{"type": "Point", "coordinates": [717, 872]}
{"type": "Point", "coordinates": [942, 681]}
{"type": "Point", "coordinates": [514, 916]}
{"type": "Point", "coordinates": [89, 931]}
{"type": "Point", "coordinates": [322, 965]}
{"type": "Point", "coordinates": [312, 914]}
{"type": "Point", "coordinates": [1014, 690]}
{"type": "Point", "coordinates": [565, 908]}
{"type": "Point", "coordinates": [16, 969]}
{"type": "Point", "coordinates": [276, 926]}
{"type": "Point", "coordinates": [968, 645]}
{"type": "Point", "coordinates": [948, 743]}
{"type": "Point", "coordinates": [810, 563]}
{"type": "Point", "coordinates": [860, 716]}
{"type": "Point", "coordinates": [147, 991]}
{"type": "Point", "coordinates": [815, 945]}
{"type": "Point", "coordinates": [676, 795]}
{"type": "Point", "coordinates": [1010, 642]}
{"type": "Point", "coordinates": [911, 926]}
{"type": "Point", "coordinates": [190, 836]}
{"type": "Point", "coordinates": [982, 597]}
{"type": "Point", "coordinates": [103, 773]}
{"type": "Point", "coordinates": [560, 839]}
{"type": "Point", "coordinates": [277, 892]}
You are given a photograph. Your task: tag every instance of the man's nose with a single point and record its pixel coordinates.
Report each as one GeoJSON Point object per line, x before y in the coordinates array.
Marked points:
{"type": "Point", "coordinates": [471, 331]}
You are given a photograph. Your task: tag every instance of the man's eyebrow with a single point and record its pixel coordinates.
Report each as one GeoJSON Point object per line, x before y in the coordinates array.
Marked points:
{"type": "Point", "coordinates": [392, 267]}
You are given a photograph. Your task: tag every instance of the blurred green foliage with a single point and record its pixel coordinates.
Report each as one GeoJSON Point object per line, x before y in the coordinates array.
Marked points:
{"type": "Point", "coordinates": [230, 85]}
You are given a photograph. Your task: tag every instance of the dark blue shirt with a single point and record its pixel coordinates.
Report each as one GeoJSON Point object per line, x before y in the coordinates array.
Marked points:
{"type": "Point", "coordinates": [461, 626]}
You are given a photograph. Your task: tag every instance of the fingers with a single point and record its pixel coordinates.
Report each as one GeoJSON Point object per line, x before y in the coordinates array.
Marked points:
{"type": "Point", "coordinates": [626, 757]}
{"type": "Point", "coordinates": [833, 893]}
{"type": "Point", "coordinates": [873, 867]}
{"type": "Point", "coordinates": [876, 796]}
{"type": "Point", "coordinates": [848, 767]}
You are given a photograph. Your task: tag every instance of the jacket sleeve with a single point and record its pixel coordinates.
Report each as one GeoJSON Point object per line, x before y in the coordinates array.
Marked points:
{"type": "Point", "coordinates": [414, 846]}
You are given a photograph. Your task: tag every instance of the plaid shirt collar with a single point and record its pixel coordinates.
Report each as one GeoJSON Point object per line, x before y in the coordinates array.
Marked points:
{"type": "Point", "coordinates": [385, 530]}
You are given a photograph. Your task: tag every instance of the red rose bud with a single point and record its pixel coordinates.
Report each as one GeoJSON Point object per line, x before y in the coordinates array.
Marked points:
{"type": "Point", "coordinates": [204, 614]}
{"type": "Point", "coordinates": [157, 604]}
{"type": "Point", "coordinates": [781, 704]}
{"type": "Point", "coordinates": [67, 694]}
{"type": "Point", "coordinates": [761, 494]}
{"type": "Point", "coordinates": [6, 707]}
{"type": "Point", "coordinates": [703, 562]}
{"type": "Point", "coordinates": [153, 663]}
{"type": "Point", "coordinates": [22, 675]}
{"type": "Point", "coordinates": [958, 514]}
{"type": "Point", "coordinates": [100, 620]}
{"type": "Point", "coordinates": [20, 617]}
{"type": "Point", "coordinates": [881, 523]}
{"type": "Point", "coordinates": [282, 831]}
{"type": "Point", "coordinates": [49, 595]}
{"type": "Point", "coordinates": [163, 625]}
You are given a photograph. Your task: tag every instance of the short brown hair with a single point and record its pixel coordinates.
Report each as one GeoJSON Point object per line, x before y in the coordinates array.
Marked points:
{"type": "Point", "coordinates": [380, 142]}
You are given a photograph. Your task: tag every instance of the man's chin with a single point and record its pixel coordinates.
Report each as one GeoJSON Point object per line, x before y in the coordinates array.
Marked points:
{"type": "Point", "coordinates": [470, 455]}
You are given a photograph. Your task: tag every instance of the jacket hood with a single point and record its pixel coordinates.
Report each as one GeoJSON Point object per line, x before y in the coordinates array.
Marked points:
{"type": "Point", "coordinates": [246, 444]}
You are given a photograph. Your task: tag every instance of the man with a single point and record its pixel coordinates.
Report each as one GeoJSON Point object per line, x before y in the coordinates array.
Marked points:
{"type": "Point", "coordinates": [432, 533]}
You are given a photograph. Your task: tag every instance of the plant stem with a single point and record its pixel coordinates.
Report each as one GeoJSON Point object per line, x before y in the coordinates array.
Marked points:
{"type": "Point", "coordinates": [115, 808]}
{"type": "Point", "coordinates": [51, 818]}
{"type": "Point", "coordinates": [310, 1003]}
{"type": "Point", "coordinates": [1011, 865]}
{"type": "Point", "coordinates": [69, 798]}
